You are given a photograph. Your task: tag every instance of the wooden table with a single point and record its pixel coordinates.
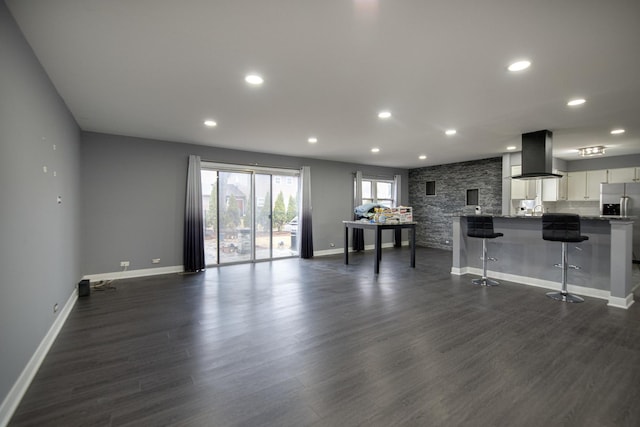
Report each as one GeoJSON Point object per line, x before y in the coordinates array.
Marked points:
{"type": "Point", "coordinates": [378, 244]}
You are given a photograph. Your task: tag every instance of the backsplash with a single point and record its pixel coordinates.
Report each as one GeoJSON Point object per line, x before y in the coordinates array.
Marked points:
{"type": "Point", "coordinates": [577, 207]}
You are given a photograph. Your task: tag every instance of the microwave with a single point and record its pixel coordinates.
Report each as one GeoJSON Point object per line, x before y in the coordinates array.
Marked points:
{"type": "Point", "coordinates": [611, 209]}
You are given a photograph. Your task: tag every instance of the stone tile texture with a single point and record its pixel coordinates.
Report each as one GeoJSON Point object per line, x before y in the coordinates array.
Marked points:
{"type": "Point", "coordinates": [434, 213]}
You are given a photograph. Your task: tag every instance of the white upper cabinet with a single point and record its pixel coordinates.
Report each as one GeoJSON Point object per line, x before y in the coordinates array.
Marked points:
{"type": "Point", "coordinates": [585, 185]}
{"type": "Point", "coordinates": [576, 185]}
{"type": "Point", "coordinates": [522, 188]}
{"type": "Point", "coordinates": [554, 189]}
{"type": "Point", "coordinates": [621, 175]}
{"type": "Point", "coordinates": [594, 179]}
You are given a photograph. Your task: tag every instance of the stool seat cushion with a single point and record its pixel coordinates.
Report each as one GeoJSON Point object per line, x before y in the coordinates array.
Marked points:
{"type": "Point", "coordinates": [481, 226]}
{"type": "Point", "coordinates": [562, 227]}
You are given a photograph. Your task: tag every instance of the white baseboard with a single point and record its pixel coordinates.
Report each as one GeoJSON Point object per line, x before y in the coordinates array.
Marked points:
{"type": "Point", "coordinates": [13, 398]}
{"type": "Point", "coordinates": [621, 302]}
{"type": "Point", "coordinates": [326, 252]}
{"type": "Point", "coordinates": [459, 271]}
{"type": "Point", "coordinates": [530, 281]}
{"type": "Point", "coordinates": [127, 274]}
{"type": "Point", "coordinates": [337, 251]}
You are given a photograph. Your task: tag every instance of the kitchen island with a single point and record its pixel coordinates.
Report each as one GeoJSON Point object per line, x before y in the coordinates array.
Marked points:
{"type": "Point", "coordinates": [524, 257]}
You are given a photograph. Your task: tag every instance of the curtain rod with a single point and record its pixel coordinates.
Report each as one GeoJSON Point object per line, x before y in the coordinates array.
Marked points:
{"type": "Point", "coordinates": [378, 176]}
{"type": "Point", "coordinates": [248, 167]}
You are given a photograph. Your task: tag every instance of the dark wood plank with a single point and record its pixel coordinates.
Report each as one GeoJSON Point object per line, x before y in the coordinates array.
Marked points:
{"type": "Point", "coordinates": [319, 343]}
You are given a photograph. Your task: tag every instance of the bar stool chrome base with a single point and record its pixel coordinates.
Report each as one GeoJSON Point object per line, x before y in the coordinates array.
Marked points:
{"type": "Point", "coordinates": [564, 228]}
{"type": "Point", "coordinates": [564, 297]}
{"type": "Point", "coordinates": [484, 281]}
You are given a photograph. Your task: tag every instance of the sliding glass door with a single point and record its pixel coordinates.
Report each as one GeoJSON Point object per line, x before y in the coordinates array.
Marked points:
{"type": "Point", "coordinates": [264, 237]}
{"type": "Point", "coordinates": [285, 215]}
{"type": "Point", "coordinates": [236, 217]}
{"type": "Point", "coordinates": [250, 214]}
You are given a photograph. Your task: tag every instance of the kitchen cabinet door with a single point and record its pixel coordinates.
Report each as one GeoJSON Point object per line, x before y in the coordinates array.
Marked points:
{"type": "Point", "coordinates": [576, 185]}
{"type": "Point", "coordinates": [585, 185]}
{"type": "Point", "coordinates": [618, 176]}
{"type": "Point", "coordinates": [522, 188]}
{"type": "Point", "coordinates": [594, 179]}
{"type": "Point", "coordinates": [554, 189]}
{"type": "Point", "coordinates": [562, 186]}
{"type": "Point", "coordinates": [517, 185]}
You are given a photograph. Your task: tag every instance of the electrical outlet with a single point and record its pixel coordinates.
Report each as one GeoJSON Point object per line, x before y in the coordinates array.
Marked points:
{"type": "Point", "coordinates": [155, 261]}
{"type": "Point", "coordinates": [124, 263]}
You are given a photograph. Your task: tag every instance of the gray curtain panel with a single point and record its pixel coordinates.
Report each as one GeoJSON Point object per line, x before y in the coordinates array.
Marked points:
{"type": "Point", "coordinates": [193, 248]}
{"type": "Point", "coordinates": [397, 185]}
{"type": "Point", "coordinates": [306, 229]}
{"type": "Point", "coordinates": [357, 238]}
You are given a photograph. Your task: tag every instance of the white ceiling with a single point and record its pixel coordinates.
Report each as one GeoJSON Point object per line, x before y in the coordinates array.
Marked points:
{"type": "Point", "coordinates": [159, 68]}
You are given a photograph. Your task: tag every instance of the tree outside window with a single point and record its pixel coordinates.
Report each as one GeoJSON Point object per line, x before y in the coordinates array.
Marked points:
{"type": "Point", "coordinates": [292, 208]}
{"type": "Point", "coordinates": [279, 212]}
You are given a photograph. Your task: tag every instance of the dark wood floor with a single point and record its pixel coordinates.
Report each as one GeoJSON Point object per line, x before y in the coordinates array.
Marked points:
{"type": "Point", "coordinates": [314, 342]}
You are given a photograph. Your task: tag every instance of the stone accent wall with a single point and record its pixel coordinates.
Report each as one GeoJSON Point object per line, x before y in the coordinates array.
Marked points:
{"type": "Point", "coordinates": [434, 213]}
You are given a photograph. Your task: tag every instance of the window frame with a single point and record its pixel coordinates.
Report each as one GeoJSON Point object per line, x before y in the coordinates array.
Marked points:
{"type": "Point", "coordinates": [392, 202]}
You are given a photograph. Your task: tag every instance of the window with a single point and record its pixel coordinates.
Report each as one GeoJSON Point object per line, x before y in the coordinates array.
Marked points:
{"type": "Point", "coordinates": [378, 191]}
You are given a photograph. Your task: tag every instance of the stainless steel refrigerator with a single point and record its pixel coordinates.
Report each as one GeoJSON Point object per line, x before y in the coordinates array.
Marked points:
{"type": "Point", "coordinates": [623, 200]}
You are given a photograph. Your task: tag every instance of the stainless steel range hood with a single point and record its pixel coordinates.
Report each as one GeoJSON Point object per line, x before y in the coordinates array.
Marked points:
{"type": "Point", "coordinates": [537, 158]}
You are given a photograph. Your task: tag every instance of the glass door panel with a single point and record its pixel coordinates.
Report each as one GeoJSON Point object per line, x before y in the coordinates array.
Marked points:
{"type": "Point", "coordinates": [209, 179]}
{"type": "Point", "coordinates": [285, 215]}
{"type": "Point", "coordinates": [264, 240]}
{"type": "Point", "coordinates": [236, 217]}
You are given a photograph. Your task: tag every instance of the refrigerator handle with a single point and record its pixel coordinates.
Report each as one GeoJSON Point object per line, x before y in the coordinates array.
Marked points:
{"type": "Point", "coordinates": [624, 200]}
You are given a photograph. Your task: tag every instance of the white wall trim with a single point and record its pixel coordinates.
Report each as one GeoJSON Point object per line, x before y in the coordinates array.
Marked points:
{"type": "Point", "coordinates": [337, 251]}
{"type": "Point", "coordinates": [618, 302]}
{"type": "Point", "coordinates": [127, 274]}
{"type": "Point", "coordinates": [459, 271]}
{"type": "Point", "coordinates": [15, 395]}
{"type": "Point", "coordinates": [547, 284]}
{"type": "Point", "coordinates": [327, 252]}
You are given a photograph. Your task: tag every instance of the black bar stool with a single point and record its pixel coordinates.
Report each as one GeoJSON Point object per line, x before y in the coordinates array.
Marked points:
{"type": "Point", "coordinates": [563, 228]}
{"type": "Point", "coordinates": [481, 226]}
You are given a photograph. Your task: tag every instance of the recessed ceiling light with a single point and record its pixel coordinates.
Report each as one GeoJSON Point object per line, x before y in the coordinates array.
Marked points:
{"type": "Point", "coordinates": [312, 140]}
{"type": "Point", "coordinates": [210, 123]}
{"type": "Point", "coordinates": [422, 157]}
{"type": "Point", "coordinates": [520, 65]}
{"type": "Point", "coordinates": [384, 114]}
{"type": "Point", "coordinates": [574, 102]}
{"type": "Point", "coordinates": [450, 132]}
{"type": "Point", "coordinates": [254, 79]}
{"type": "Point", "coordinates": [511, 147]}
{"type": "Point", "coordinates": [617, 131]}
{"type": "Point", "coordinates": [375, 150]}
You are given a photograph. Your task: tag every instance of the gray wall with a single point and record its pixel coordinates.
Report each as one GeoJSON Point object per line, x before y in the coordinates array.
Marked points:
{"type": "Point", "coordinates": [39, 242]}
{"type": "Point", "coordinates": [434, 213]}
{"type": "Point", "coordinates": [134, 190]}
{"type": "Point", "coordinates": [596, 163]}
